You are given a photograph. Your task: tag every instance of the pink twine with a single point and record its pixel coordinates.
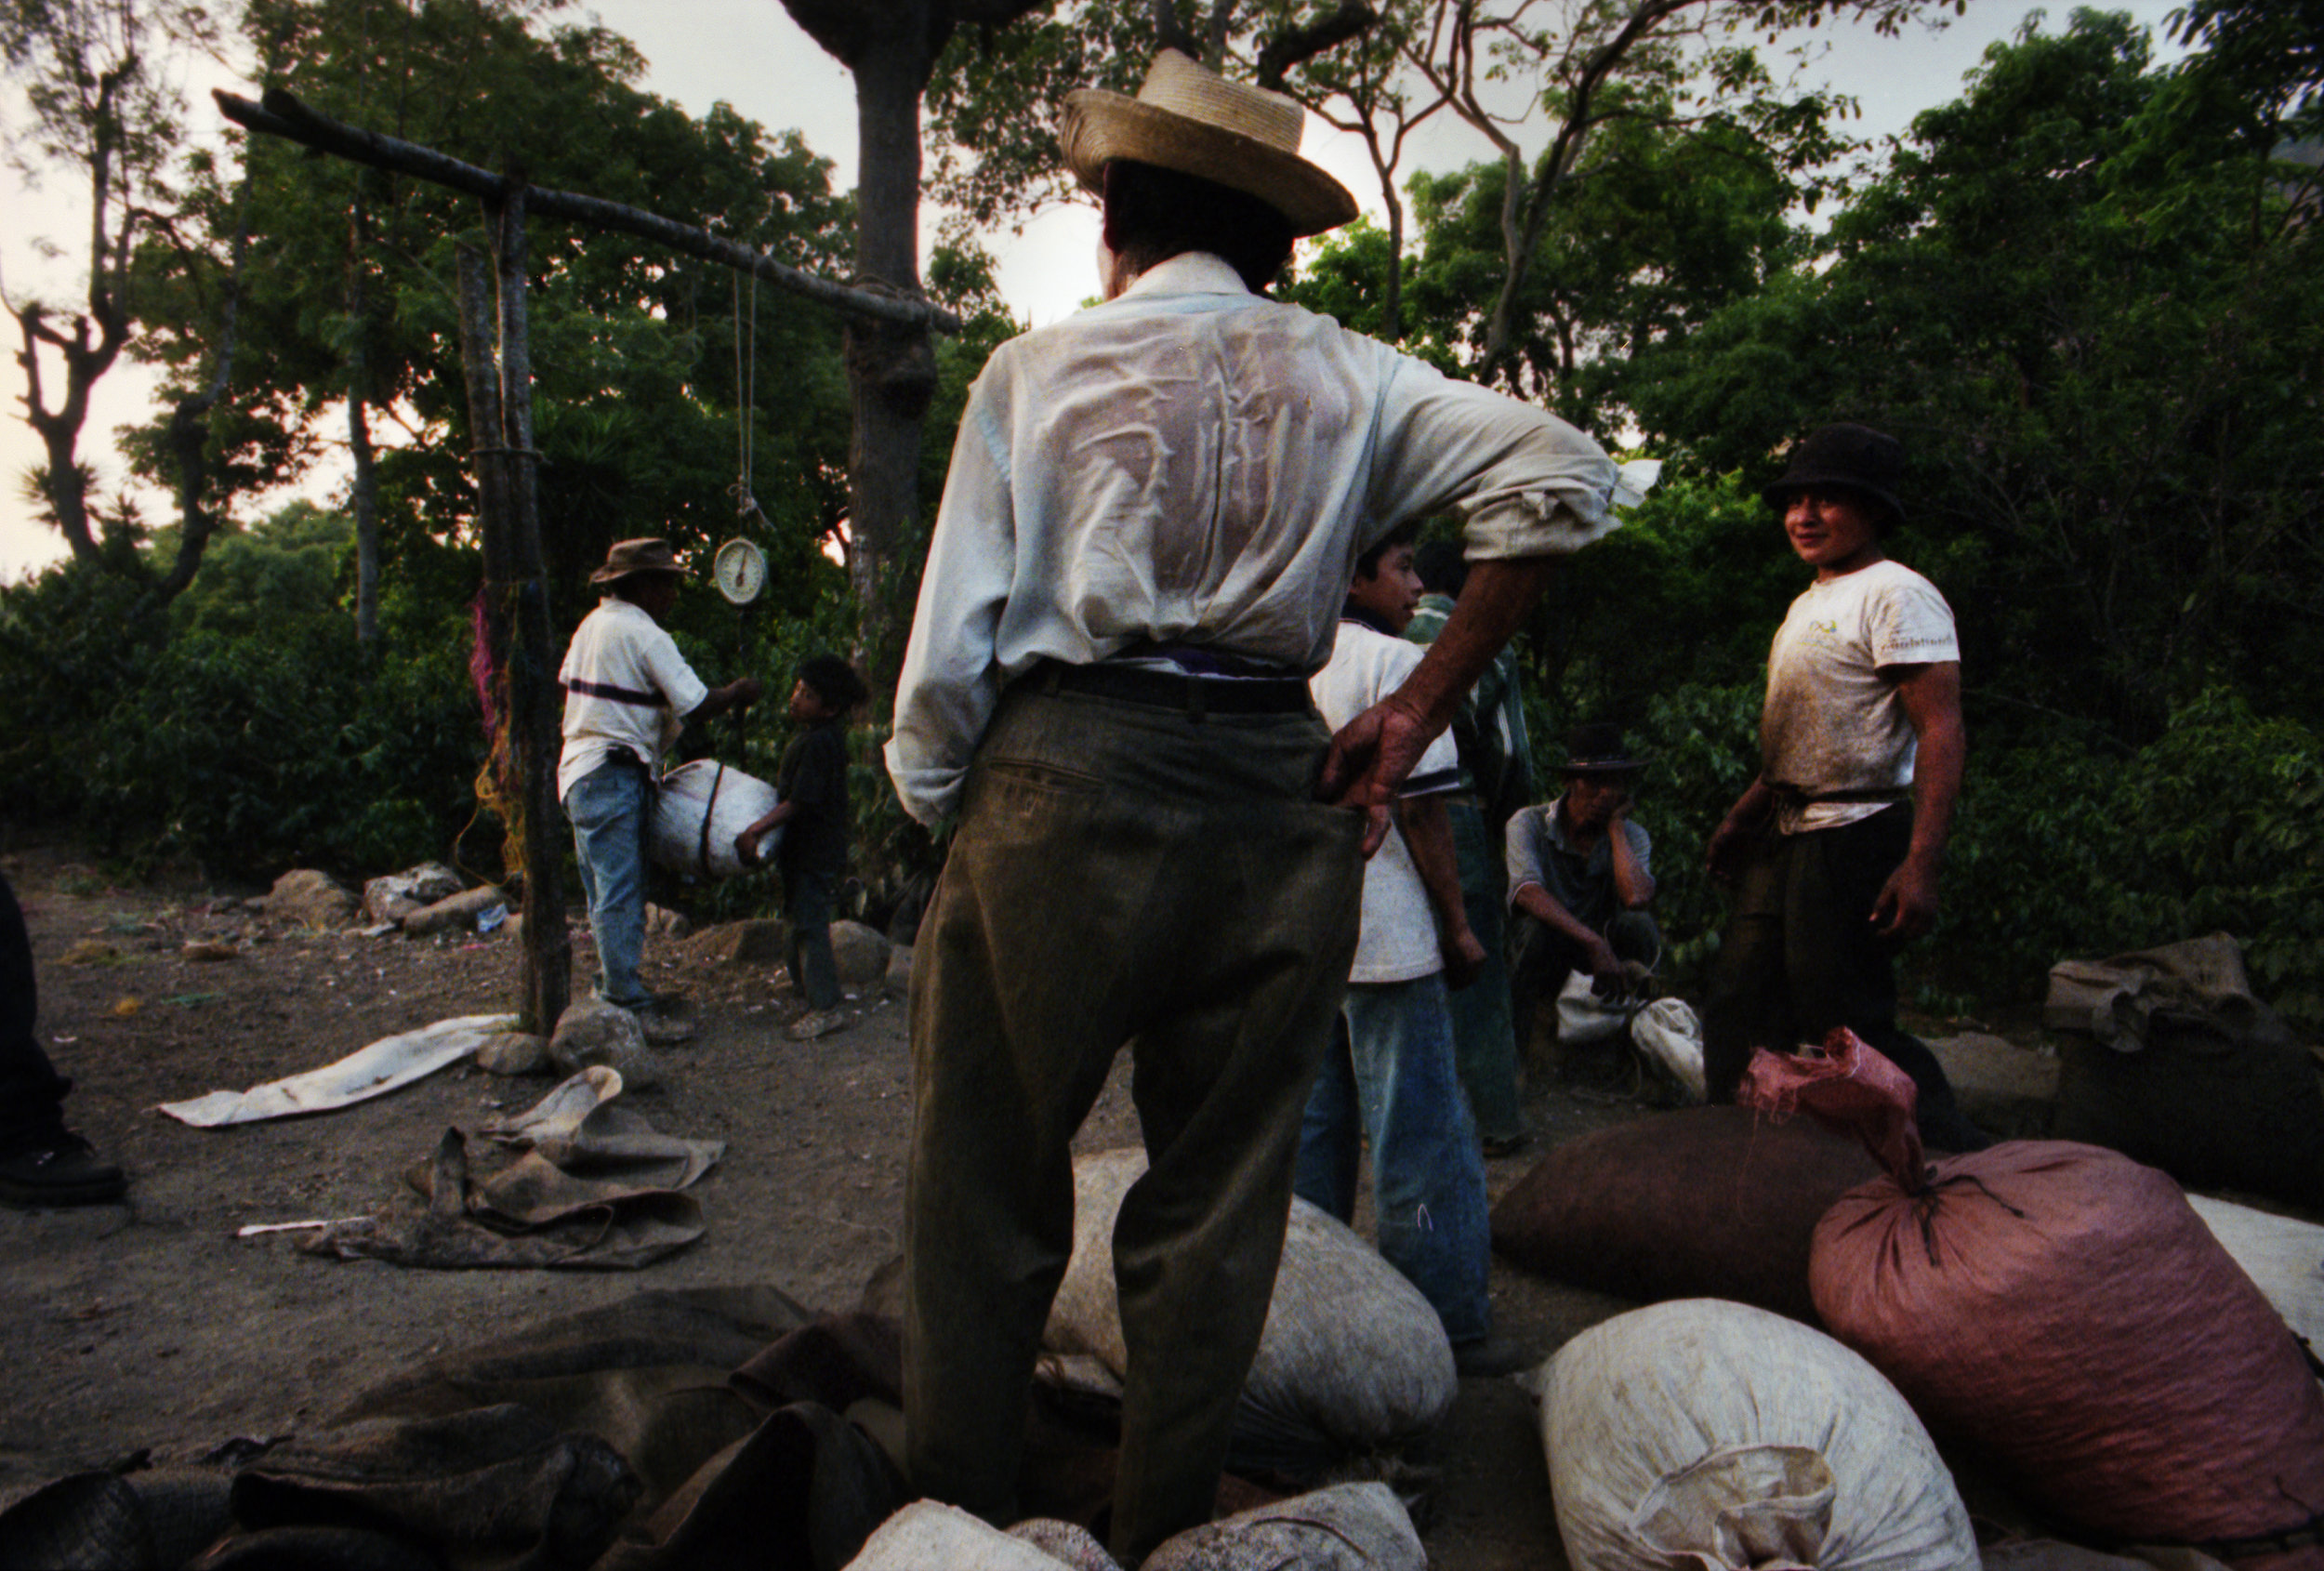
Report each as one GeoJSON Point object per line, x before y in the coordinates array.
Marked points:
{"type": "Point", "coordinates": [480, 664]}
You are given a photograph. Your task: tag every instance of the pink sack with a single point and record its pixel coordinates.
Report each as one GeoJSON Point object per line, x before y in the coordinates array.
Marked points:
{"type": "Point", "coordinates": [2064, 1309]}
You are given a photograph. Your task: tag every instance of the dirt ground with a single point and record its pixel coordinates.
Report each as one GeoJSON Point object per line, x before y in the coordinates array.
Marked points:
{"type": "Point", "coordinates": [150, 1327]}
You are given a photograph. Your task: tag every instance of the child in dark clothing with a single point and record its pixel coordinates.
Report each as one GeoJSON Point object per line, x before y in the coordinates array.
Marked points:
{"type": "Point", "coordinates": [813, 812]}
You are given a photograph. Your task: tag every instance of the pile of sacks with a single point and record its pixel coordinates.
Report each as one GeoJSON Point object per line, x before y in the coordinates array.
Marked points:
{"type": "Point", "coordinates": [2110, 1351]}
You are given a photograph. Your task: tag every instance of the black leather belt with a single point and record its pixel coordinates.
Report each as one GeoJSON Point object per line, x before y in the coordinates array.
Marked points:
{"type": "Point", "coordinates": [1170, 690]}
{"type": "Point", "coordinates": [1800, 796]}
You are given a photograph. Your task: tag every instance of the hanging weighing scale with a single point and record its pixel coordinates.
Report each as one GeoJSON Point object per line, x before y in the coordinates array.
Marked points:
{"type": "Point", "coordinates": [740, 572]}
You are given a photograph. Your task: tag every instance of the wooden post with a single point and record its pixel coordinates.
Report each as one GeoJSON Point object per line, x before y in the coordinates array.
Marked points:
{"type": "Point", "coordinates": [516, 612]}
{"type": "Point", "coordinates": [533, 709]}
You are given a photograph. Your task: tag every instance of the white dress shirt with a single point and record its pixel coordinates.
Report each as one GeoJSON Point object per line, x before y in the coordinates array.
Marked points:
{"type": "Point", "coordinates": [626, 686]}
{"type": "Point", "coordinates": [1195, 464]}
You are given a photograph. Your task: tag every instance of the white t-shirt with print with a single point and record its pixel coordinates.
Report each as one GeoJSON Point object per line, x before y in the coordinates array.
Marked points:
{"type": "Point", "coordinates": [625, 685]}
{"type": "Point", "coordinates": [1396, 938]}
{"type": "Point", "coordinates": [1832, 722]}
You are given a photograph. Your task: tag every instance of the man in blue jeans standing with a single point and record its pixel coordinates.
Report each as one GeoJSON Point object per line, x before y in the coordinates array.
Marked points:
{"type": "Point", "coordinates": [627, 691]}
{"type": "Point", "coordinates": [1390, 1079]}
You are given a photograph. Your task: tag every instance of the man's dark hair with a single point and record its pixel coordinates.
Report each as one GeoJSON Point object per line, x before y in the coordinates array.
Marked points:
{"type": "Point", "coordinates": [1442, 568]}
{"type": "Point", "coordinates": [1152, 214]}
{"type": "Point", "coordinates": [834, 681]}
{"type": "Point", "coordinates": [1367, 565]}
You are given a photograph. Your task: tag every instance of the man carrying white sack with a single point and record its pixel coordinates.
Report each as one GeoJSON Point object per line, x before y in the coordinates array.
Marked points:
{"type": "Point", "coordinates": [627, 691]}
{"type": "Point", "coordinates": [1154, 511]}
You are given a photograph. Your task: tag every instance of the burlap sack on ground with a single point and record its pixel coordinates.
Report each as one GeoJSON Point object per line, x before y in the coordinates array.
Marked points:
{"type": "Point", "coordinates": [1346, 1527]}
{"type": "Point", "coordinates": [2283, 1256]}
{"type": "Point", "coordinates": [2063, 1309]}
{"type": "Point", "coordinates": [1706, 1202]}
{"type": "Point", "coordinates": [2169, 1059]}
{"type": "Point", "coordinates": [1352, 1360]}
{"type": "Point", "coordinates": [1714, 1435]}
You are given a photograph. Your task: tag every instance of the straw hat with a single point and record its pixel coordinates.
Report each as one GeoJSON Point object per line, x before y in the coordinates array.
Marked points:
{"type": "Point", "coordinates": [629, 558]}
{"type": "Point", "coordinates": [1196, 122]}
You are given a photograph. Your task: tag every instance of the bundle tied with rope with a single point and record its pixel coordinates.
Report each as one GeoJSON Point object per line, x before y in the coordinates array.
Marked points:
{"type": "Point", "coordinates": [2064, 1310]}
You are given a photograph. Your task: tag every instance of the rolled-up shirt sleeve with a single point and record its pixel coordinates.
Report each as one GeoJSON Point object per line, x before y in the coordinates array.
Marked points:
{"type": "Point", "coordinates": [950, 683]}
{"type": "Point", "coordinates": [1523, 481]}
{"type": "Point", "coordinates": [1523, 852]}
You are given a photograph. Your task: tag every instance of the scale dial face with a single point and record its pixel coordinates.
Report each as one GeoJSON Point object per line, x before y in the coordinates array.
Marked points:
{"type": "Point", "coordinates": [740, 569]}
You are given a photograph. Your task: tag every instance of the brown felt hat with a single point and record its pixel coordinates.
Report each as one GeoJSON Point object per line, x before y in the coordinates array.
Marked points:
{"type": "Point", "coordinates": [629, 558]}
{"type": "Point", "coordinates": [1194, 121]}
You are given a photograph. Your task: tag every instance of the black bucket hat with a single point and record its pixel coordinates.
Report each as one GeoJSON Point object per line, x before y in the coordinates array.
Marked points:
{"type": "Point", "coordinates": [1854, 456]}
{"type": "Point", "coordinates": [1597, 748]}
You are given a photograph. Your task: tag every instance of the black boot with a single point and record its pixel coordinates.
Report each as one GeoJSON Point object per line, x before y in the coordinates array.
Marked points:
{"type": "Point", "coordinates": [57, 1170]}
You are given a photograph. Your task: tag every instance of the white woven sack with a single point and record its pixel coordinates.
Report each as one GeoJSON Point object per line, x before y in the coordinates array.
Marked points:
{"type": "Point", "coordinates": [1714, 1435]}
{"type": "Point", "coordinates": [1346, 1527]}
{"type": "Point", "coordinates": [674, 837]}
{"type": "Point", "coordinates": [925, 1535]}
{"type": "Point", "coordinates": [2283, 1257]}
{"type": "Point", "coordinates": [1666, 1031]}
{"type": "Point", "coordinates": [1582, 1016]}
{"type": "Point", "coordinates": [1353, 1359]}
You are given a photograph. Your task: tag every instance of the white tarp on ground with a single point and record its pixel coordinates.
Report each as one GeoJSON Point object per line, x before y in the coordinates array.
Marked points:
{"type": "Point", "coordinates": [391, 1062]}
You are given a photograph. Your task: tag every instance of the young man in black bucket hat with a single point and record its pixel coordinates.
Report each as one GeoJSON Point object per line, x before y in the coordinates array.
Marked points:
{"type": "Point", "coordinates": [1833, 850]}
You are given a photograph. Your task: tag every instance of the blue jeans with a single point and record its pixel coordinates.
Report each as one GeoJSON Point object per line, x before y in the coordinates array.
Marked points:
{"type": "Point", "coordinates": [1389, 1079]}
{"type": "Point", "coordinates": [607, 806]}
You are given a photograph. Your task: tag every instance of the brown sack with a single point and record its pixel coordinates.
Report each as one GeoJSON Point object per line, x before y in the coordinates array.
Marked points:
{"type": "Point", "coordinates": [1706, 1202]}
{"type": "Point", "coordinates": [2064, 1310]}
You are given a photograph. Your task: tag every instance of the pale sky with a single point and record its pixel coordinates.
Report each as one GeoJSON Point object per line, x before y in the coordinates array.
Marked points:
{"type": "Point", "coordinates": [749, 54]}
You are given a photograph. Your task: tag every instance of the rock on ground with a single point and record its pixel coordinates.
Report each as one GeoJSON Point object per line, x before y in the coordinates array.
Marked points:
{"type": "Point", "coordinates": [860, 953]}
{"type": "Point", "coordinates": [2007, 1089]}
{"type": "Point", "coordinates": [515, 1052]}
{"type": "Point", "coordinates": [594, 1031]}
{"type": "Point", "coordinates": [661, 922]}
{"type": "Point", "coordinates": [312, 899]}
{"type": "Point", "coordinates": [397, 895]}
{"type": "Point", "coordinates": [900, 971]}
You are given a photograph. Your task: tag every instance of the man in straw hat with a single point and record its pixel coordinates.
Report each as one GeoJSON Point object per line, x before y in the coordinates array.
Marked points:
{"type": "Point", "coordinates": [627, 689]}
{"type": "Point", "coordinates": [1833, 850]}
{"type": "Point", "coordinates": [1155, 510]}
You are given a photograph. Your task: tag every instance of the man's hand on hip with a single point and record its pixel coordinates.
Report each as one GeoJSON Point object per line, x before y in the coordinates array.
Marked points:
{"type": "Point", "coordinates": [1373, 755]}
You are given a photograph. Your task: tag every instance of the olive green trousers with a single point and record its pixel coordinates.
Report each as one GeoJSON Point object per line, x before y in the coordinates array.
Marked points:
{"type": "Point", "coordinates": [1129, 875]}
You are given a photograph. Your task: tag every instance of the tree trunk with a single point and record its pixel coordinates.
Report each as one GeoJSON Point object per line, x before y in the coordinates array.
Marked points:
{"type": "Point", "coordinates": [365, 491]}
{"type": "Point", "coordinates": [892, 368]}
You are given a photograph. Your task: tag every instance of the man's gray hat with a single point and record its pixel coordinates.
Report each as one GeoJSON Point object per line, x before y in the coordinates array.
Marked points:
{"type": "Point", "coordinates": [630, 557]}
{"type": "Point", "coordinates": [1856, 457]}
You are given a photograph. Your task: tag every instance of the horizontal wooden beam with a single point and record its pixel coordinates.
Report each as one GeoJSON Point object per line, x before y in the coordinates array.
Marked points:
{"type": "Point", "coordinates": [279, 113]}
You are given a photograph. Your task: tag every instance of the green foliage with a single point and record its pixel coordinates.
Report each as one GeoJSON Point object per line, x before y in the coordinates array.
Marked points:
{"type": "Point", "coordinates": [644, 363]}
{"type": "Point", "coordinates": [256, 737]}
{"type": "Point", "coordinates": [2083, 300]}
{"type": "Point", "coordinates": [2065, 851]}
